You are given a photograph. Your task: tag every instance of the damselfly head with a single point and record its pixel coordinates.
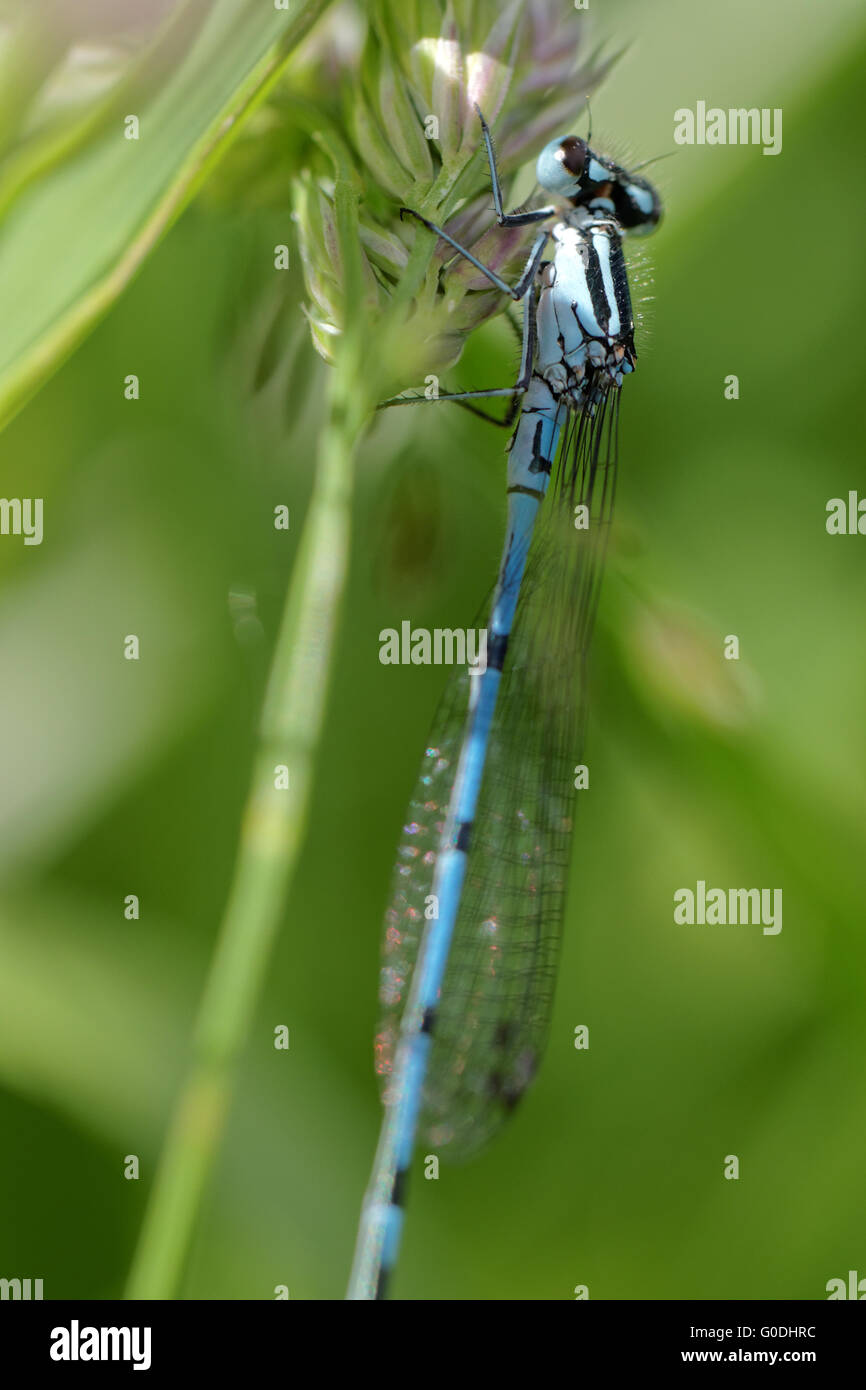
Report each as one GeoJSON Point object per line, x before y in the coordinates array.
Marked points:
{"type": "Point", "coordinates": [569, 167]}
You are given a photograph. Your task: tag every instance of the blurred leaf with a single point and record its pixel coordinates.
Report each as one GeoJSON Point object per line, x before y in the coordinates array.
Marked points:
{"type": "Point", "coordinates": [73, 239]}
{"type": "Point", "coordinates": [81, 991]}
{"type": "Point", "coordinates": [62, 629]}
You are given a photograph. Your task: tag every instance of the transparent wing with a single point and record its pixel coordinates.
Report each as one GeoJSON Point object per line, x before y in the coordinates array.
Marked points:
{"type": "Point", "coordinates": [494, 1008]}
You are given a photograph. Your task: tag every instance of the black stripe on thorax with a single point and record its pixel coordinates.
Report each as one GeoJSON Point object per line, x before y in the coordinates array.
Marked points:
{"type": "Point", "coordinates": [601, 301]}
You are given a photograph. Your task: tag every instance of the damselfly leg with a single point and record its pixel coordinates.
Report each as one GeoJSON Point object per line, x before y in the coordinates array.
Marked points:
{"type": "Point", "coordinates": [507, 219]}
{"type": "Point", "coordinates": [517, 290]}
{"type": "Point", "coordinates": [515, 392]}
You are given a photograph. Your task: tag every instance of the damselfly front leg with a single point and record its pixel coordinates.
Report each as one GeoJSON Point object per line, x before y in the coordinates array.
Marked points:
{"type": "Point", "coordinates": [507, 219]}
{"type": "Point", "coordinates": [517, 290]}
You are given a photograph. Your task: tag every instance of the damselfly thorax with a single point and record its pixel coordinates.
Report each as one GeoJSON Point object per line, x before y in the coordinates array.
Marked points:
{"type": "Point", "coordinates": [583, 338]}
{"type": "Point", "coordinates": [584, 317]}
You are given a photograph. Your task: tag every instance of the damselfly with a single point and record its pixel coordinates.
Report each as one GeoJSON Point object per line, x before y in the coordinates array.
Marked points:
{"type": "Point", "coordinates": [472, 934]}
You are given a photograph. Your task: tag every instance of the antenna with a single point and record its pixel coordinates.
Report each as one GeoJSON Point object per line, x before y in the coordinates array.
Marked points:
{"type": "Point", "coordinates": [655, 159]}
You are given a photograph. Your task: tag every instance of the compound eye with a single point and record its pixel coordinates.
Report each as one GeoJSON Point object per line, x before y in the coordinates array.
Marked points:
{"type": "Point", "coordinates": [638, 205]}
{"type": "Point", "coordinates": [561, 165]}
{"type": "Point", "coordinates": [572, 154]}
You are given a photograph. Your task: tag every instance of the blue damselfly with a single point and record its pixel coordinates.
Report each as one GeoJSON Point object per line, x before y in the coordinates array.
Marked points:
{"type": "Point", "coordinates": [472, 933]}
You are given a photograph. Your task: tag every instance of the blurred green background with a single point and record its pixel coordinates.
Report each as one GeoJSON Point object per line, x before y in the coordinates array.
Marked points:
{"type": "Point", "coordinates": [119, 777]}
